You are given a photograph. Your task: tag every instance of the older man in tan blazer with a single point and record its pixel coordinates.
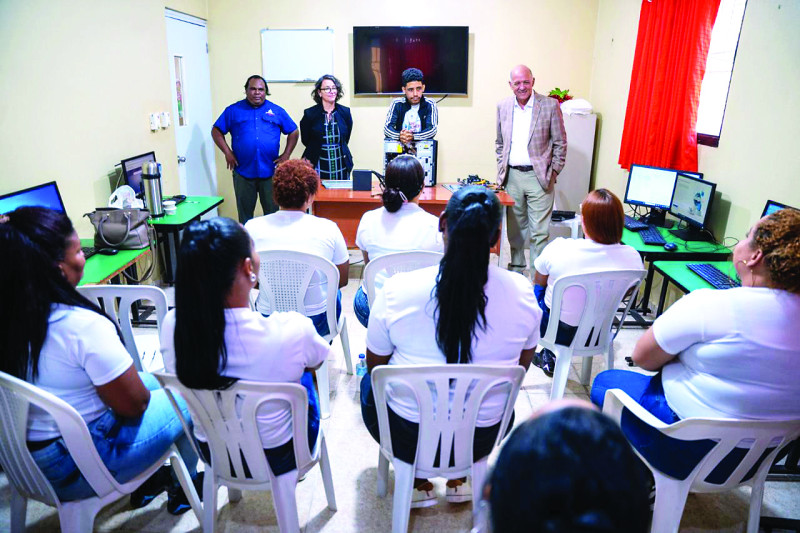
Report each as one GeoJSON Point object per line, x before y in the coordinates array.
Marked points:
{"type": "Point", "coordinates": [531, 149]}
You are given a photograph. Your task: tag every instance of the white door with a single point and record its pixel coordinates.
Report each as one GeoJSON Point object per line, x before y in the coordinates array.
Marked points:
{"type": "Point", "coordinates": [187, 51]}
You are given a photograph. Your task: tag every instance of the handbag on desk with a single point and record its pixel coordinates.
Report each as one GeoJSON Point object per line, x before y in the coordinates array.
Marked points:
{"type": "Point", "coordinates": [123, 229]}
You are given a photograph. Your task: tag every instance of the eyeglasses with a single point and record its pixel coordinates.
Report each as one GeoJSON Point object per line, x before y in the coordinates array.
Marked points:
{"type": "Point", "coordinates": [329, 89]}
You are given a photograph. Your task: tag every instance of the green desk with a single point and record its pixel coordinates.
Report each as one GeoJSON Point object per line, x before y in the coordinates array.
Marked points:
{"type": "Point", "coordinates": [169, 227]}
{"type": "Point", "coordinates": [690, 251]}
{"type": "Point", "coordinates": [101, 268]}
{"type": "Point", "coordinates": [677, 273]}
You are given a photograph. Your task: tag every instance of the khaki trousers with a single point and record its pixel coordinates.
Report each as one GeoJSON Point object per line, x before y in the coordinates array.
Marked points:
{"type": "Point", "coordinates": [529, 218]}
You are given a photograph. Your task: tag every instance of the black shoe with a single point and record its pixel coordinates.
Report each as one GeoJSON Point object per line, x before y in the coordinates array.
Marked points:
{"type": "Point", "coordinates": [155, 485]}
{"type": "Point", "coordinates": [177, 501]}
{"type": "Point", "coordinates": [546, 360]}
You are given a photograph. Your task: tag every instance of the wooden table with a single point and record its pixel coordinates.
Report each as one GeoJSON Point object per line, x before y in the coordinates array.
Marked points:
{"type": "Point", "coordinates": [345, 207]}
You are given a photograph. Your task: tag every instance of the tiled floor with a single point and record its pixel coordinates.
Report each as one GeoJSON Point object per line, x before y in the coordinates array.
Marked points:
{"type": "Point", "coordinates": [354, 458]}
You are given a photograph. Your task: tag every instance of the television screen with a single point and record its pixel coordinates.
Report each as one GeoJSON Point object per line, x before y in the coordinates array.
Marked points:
{"type": "Point", "coordinates": [382, 53]}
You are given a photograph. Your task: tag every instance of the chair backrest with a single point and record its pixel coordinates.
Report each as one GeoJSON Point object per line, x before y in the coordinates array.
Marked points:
{"type": "Point", "coordinates": [729, 452]}
{"type": "Point", "coordinates": [604, 293]}
{"type": "Point", "coordinates": [228, 418]}
{"type": "Point", "coordinates": [116, 301]}
{"type": "Point", "coordinates": [445, 422]}
{"type": "Point", "coordinates": [391, 264]}
{"type": "Point", "coordinates": [284, 276]}
{"type": "Point", "coordinates": [16, 396]}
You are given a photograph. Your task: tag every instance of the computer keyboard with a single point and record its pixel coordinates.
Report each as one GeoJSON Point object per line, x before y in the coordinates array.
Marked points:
{"type": "Point", "coordinates": [558, 216]}
{"type": "Point", "coordinates": [650, 235]}
{"type": "Point", "coordinates": [713, 276]}
{"type": "Point", "coordinates": [88, 251]}
{"type": "Point", "coordinates": [634, 225]}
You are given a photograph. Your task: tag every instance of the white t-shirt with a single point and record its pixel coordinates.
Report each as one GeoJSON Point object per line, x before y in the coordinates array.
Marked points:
{"type": "Point", "coordinates": [82, 351]}
{"type": "Point", "coordinates": [401, 324]}
{"type": "Point", "coordinates": [411, 120]}
{"type": "Point", "coordinates": [409, 228]}
{"type": "Point", "coordinates": [300, 232]}
{"type": "Point", "coordinates": [276, 349]}
{"type": "Point", "coordinates": [521, 133]}
{"type": "Point", "coordinates": [738, 354]}
{"type": "Point", "coordinates": [567, 257]}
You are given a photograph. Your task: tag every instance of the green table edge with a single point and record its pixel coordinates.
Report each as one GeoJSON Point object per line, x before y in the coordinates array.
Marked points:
{"type": "Point", "coordinates": [186, 211]}
{"type": "Point", "coordinates": [685, 279]}
{"type": "Point", "coordinates": [100, 268]}
{"type": "Point", "coordinates": [632, 239]}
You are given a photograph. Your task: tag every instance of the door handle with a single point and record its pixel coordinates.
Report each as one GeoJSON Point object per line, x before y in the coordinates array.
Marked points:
{"type": "Point", "coordinates": [181, 159]}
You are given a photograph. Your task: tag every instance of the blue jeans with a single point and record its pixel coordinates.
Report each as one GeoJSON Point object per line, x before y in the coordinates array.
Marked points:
{"type": "Point", "coordinates": [565, 332]}
{"type": "Point", "coordinates": [126, 446]}
{"type": "Point", "coordinates": [361, 306]}
{"type": "Point", "coordinates": [674, 457]}
{"type": "Point", "coordinates": [321, 320]}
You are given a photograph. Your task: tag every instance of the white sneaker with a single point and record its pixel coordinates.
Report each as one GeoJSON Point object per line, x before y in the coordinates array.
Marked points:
{"type": "Point", "coordinates": [460, 493]}
{"type": "Point", "coordinates": [423, 498]}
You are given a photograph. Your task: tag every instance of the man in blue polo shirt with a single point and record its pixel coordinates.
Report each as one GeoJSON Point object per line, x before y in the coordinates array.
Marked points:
{"type": "Point", "coordinates": [255, 125]}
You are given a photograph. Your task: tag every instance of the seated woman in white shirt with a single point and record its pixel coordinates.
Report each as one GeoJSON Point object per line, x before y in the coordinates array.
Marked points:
{"type": "Point", "coordinates": [602, 220]}
{"type": "Point", "coordinates": [725, 353]}
{"type": "Point", "coordinates": [294, 187]}
{"type": "Point", "coordinates": [458, 312]}
{"type": "Point", "coordinates": [212, 338]}
{"type": "Point", "coordinates": [401, 225]}
{"type": "Point", "coordinates": [56, 339]}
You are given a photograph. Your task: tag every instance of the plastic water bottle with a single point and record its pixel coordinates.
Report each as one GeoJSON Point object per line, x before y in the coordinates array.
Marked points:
{"type": "Point", "coordinates": [361, 367]}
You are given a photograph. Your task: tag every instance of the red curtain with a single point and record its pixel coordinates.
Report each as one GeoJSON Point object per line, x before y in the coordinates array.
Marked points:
{"type": "Point", "coordinates": [668, 68]}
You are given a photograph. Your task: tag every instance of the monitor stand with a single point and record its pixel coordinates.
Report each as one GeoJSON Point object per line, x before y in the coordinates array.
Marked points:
{"type": "Point", "coordinates": [657, 217]}
{"type": "Point", "coordinates": [692, 234]}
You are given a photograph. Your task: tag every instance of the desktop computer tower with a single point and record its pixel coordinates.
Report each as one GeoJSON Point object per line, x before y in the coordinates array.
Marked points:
{"type": "Point", "coordinates": [426, 155]}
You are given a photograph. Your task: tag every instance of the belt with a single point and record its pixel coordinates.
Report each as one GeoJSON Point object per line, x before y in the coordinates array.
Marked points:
{"type": "Point", "coordinates": [526, 168]}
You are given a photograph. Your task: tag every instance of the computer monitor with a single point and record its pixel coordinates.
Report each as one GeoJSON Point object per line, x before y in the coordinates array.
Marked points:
{"type": "Point", "coordinates": [691, 202]}
{"type": "Point", "coordinates": [652, 186]}
{"type": "Point", "coordinates": [773, 206]}
{"type": "Point", "coordinates": [45, 195]}
{"type": "Point", "coordinates": [132, 170]}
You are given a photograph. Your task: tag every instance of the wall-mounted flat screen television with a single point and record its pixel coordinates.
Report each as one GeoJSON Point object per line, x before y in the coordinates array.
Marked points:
{"type": "Point", "coordinates": [382, 53]}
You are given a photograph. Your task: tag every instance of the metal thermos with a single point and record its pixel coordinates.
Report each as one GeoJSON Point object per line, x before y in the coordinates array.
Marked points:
{"type": "Point", "coordinates": [151, 183]}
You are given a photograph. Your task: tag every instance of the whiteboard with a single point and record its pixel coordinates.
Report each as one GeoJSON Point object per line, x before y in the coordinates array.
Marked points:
{"type": "Point", "coordinates": [296, 55]}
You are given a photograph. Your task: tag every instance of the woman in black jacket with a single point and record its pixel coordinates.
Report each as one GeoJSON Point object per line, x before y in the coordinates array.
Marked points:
{"type": "Point", "coordinates": [325, 131]}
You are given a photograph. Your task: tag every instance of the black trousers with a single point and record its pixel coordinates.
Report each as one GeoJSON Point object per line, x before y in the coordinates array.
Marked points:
{"type": "Point", "coordinates": [405, 433]}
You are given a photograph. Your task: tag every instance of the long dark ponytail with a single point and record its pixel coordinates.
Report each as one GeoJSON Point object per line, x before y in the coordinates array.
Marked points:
{"type": "Point", "coordinates": [33, 242]}
{"type": "Point", "coordinates": [472, 220]}
{"type": "Point", "coordinates": [210, 254]}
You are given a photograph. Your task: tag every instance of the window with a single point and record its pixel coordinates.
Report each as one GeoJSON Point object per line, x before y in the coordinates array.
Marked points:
{"type": "Point", "coordinates": [719, 69]}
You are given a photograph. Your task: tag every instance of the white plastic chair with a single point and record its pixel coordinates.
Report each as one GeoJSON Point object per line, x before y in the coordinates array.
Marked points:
{"type": "Point", "coordinates": [106, 297]}
{"type": "Point", "coordinates": [764, 441]}
{"type": "Point", "coordinates": [229, 420]}
{"type": "Point", "coordinates": [442, 421]}
{"type": "Point", "coordinates": [391, 264]}
{"type": "Point", "coordinates": [284, 277]}
{"type": "Point", "coordinates": [604, 293]}
{"type": "Point", "coordinates": [26, 479]}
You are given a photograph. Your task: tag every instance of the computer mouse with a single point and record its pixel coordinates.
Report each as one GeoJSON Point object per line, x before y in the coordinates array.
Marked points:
{"type": "Point", "coordinates": [670, 246]}
{"type": "Point", "coordinates": [107, 251]}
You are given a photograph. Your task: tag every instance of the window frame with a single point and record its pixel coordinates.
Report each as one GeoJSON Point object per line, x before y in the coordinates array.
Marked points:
{"type": "Point", "coordinates": [707, 139]}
